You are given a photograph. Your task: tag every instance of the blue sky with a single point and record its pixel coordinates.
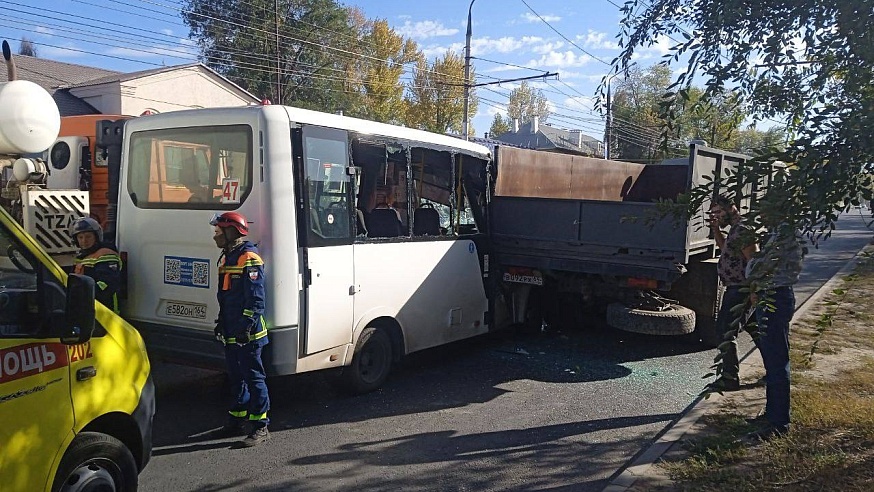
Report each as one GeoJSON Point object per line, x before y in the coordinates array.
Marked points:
{"type": "Point", "coordinates": [575, 38]}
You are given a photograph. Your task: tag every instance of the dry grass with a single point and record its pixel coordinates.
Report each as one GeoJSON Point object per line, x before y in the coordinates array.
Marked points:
{"type": "Point", "coordinates": [831, 446]}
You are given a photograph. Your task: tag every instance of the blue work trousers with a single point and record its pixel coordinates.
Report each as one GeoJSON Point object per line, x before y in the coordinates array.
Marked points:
{"type": "Point", "coordinates": [248, 382]}
{"type": "Point", "coordinates": [774, 347]}
{"type": "Point", "coordinates": [731, 299]}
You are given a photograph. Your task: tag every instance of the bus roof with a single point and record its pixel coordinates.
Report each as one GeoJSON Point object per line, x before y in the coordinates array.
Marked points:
{"type": "Point", "coordinates": [305, 116]}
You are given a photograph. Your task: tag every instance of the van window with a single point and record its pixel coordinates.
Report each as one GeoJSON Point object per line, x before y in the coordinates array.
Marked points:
{"type": "Point", "coordinates": [208, 167]}
{"type": "Point", "coordinates": [328, 186]}
{"type": "Point", "coordinates": [19, 301]}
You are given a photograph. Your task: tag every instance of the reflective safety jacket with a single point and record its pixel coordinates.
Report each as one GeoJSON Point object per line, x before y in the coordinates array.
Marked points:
{"type": "Point", "coordinates": [103, 264]}
{"type": "Point", "coordinates": [241, 295]}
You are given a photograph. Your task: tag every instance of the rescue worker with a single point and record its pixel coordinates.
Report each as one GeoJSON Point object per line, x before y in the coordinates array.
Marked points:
{"type": "Point", "coordinates": [98, 260]}
{"type": "Point", "coordinates": [241, 328]}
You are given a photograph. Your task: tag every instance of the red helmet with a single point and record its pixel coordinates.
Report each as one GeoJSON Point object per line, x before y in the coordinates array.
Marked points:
{"type": "Point", "coordinates": [231, 219]}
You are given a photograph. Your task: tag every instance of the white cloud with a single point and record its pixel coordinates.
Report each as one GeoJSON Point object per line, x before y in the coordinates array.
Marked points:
{"type": "Point", "coordinates": [559, 59]}
{"type": "Point", "coordinates": [45, 31]}
{"type": "Point", "coordinates": [546, 47]}
{"type": "Point", "coordinates": [60, 52]}
{"type": "Point", "coordinates": [484, 46]}
{"type": "Point", "coordinates": [531, 18]}
{"type": "Point", "coordinates": [425, 29]}
{"type": "Point", "coordinates": [435, 50]}
{"type": "Point", "coordinates": [597, 40]}
{"type": "Point", "coordinates": [168, 32]}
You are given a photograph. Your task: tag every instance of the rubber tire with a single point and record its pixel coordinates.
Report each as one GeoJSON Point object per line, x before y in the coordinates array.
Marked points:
{"type": "Point", "coordinates": [677, 320]}
{"type": "Point", "coordinates": [371, 362]}
{"type": "Point", "coordinates": [104, 451]}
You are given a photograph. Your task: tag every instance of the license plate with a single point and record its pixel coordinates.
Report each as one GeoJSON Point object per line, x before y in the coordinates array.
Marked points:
{"type": "Point", "coordinates": [185, 310]}
{"type": "Point", "coordinates": [523, 279]}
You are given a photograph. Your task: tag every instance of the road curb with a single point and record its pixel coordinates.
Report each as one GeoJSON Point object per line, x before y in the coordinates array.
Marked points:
{"type": "Point", "coordinates": [642, 465]}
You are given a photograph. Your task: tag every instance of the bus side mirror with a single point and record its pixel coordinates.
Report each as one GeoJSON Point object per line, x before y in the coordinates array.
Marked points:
{"type": "Point", "coordinates": [79, 311]}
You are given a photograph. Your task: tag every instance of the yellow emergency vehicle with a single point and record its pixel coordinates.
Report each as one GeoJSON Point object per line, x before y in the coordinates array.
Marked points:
{"type": "Point", "coordinates": [76, 395]}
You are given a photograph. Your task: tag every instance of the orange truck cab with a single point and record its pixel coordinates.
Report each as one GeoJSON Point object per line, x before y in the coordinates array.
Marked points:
{"type": "Point", "coordinates": [76, 162]}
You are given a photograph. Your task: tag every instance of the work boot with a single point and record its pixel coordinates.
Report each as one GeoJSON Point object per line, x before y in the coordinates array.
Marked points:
{"type": "Point", "coordinates": [257, 436]}
{"type": "Point", "coordinates": [233, 427]}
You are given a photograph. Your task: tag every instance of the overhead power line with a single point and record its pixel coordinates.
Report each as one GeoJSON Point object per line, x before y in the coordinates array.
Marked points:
{"type": "Point", "coordinates": [563, 36]}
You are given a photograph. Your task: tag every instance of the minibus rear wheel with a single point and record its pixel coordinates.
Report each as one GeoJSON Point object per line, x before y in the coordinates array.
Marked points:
{"type": "Point", "coordinates": [96, 461]}
{"type": "Point", "coordinates": [371, 362]}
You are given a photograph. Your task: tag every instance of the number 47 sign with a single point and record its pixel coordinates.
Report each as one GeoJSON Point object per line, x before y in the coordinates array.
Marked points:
{"type": "Point", "coordinates": [230, 190]}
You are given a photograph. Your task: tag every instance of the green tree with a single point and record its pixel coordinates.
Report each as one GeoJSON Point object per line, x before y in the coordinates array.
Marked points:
{"type": "Point", "coordinates": [238, 40]}
{"type": "Point", "coordinates": [27, 48]}
{"type": "Point", "coordinates": [752, 141]}
{"type": "Point", "coordinates": [526, 102]}
{"type": "Point", "coordinates": [383, 54]}
{"type": "Point", "coordinates": [500, 126]}
{"type": "Point", "coordinates": [635, 130]}
{"type": "Point", "coordinates": [807, 65]}
{"type": "Point", "coordinates": [640, 130]}
{"type": "Point", "coordinates": [435, 95]}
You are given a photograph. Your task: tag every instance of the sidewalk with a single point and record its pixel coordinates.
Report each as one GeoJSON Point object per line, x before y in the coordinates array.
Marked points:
{"type": "Point", "coordinates": [643, 474]}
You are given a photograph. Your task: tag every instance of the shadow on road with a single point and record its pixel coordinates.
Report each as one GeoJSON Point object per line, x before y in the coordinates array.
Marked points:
{"type": "Point", "coordinates": [447, 446]}
{"type": "Point", "coordinates": [191, 401]}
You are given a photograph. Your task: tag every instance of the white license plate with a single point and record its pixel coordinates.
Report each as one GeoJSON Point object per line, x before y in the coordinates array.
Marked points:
{"type": "Point", "coordinates": [186, 310]}
{"type": "Point", "coordinates": [523, 279]}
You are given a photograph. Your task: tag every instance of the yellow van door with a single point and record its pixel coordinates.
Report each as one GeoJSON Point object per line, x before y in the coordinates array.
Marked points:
{"type": "Point", "coordinates": [36, 411]}
{"type": "Point", "coordinates": [35, 408]}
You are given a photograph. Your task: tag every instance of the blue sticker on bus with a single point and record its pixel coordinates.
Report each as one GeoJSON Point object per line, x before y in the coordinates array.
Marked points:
{"type": "Point", "coordinates": [187, 272]}
{"type": "Point", "coordinates": [471, 248]}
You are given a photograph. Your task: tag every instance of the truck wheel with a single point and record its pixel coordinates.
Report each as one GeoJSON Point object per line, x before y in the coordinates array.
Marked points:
{"type": "Point", "coordinates": [676, 320]}
{"type": "Point", "coordinates": [371, 362]}
{"type": "Point", "coordinates": [96, 462]}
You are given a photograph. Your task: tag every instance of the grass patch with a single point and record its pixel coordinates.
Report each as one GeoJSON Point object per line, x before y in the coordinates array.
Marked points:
{"type": "Point", "coordinates": [831, 446]}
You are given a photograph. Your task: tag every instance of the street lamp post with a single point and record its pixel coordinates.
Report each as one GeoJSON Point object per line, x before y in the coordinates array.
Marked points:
{"type": "Point", "coordinates": [464, 124]}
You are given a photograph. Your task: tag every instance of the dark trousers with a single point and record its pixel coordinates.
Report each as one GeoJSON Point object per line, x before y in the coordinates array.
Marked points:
{"type": "Point", "coordinates": [248, 380]}
{"type": "Point", "coordinates": [730, 311]}
{"type": "Point", "coordinates": [774, 347]}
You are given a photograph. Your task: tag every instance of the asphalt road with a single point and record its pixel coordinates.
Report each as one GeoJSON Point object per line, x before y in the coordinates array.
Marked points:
{"type": "Point", "coordinates": [565, 409]}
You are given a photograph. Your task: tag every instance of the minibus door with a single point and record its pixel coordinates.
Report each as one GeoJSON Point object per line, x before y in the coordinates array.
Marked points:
{"type": "Point", "coordinates": [325, 214]}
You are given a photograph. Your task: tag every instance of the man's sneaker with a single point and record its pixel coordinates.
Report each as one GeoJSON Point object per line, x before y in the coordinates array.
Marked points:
{"type": "Point", "coordinates": [232, 428]}
{"type": "Point", "coordinates": [257, 436]}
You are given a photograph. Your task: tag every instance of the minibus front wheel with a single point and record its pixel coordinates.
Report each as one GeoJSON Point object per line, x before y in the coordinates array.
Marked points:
{"type": "Point", "coordinates": [371, 361]}
{"type": "Point", "coordinates": [95, 462]}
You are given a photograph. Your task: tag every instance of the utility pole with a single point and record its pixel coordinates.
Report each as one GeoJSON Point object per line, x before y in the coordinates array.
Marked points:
{"type": "Point", "coordinates": [464, 124]}
{"type": "Point", "coordinates": [278, 55]}
{"type": "Point", "coordinates": [608, 131]}
{"type": "Point", "coordinates": [467, 85]}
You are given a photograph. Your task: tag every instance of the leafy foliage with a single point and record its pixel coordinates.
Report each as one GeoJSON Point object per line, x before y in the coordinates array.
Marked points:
{"type": "Point", "coordinates": [499, 126]}
{"type": "Point", "coordinates": [526, 102]}
{"type": "Point", "coordinates": [238, 40]}
{"type": "Point", "coordinates": [807, 64]}
{"type": "Point", "coordinates": [377, 73]}
{"type": "Point", "coordinates": [27, 48]}
{"type": "Point", "coordinates": [435, 98]}
{"type": "Point", "coordinates": [641, 97]}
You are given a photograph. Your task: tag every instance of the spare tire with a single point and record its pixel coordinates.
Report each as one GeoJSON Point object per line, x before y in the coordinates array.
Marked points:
{"type": "Point", "coordinates": [676, 320]}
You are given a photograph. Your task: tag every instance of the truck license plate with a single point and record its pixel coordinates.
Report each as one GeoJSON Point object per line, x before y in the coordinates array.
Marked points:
{"type": "Point", "coordinates": [186, 310]}
{"type": "Point", "coordinates": [531, 278]}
